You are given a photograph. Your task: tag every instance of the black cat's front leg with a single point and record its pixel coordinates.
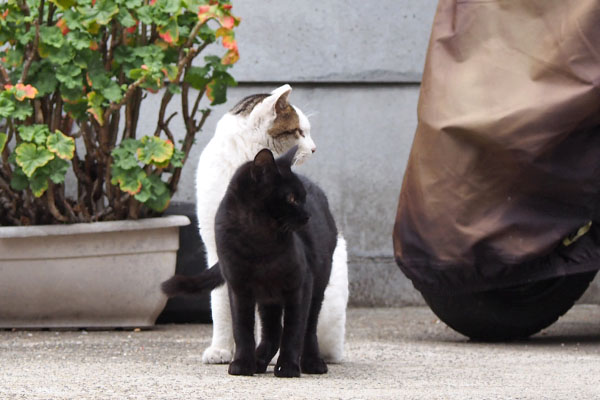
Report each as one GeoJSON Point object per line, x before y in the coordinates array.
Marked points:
{"type": "Point", "coordinates": [242, 313]}
{"type": "Point", "coordinates": [312, 363]}
{"type": "Point", "coordinates": [270, 317]}
{"type": "Point", "coordinates": [294, 328]}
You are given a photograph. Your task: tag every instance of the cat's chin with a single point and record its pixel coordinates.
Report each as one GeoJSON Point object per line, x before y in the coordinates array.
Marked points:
{"type": "Point", "coordinates": [300, 158]}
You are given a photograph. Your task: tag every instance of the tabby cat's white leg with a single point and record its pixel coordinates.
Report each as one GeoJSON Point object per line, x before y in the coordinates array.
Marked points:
{"type": "Point", "coordinates": [331, 329]}
{"type": "Point", "coordinates": [221, 348]}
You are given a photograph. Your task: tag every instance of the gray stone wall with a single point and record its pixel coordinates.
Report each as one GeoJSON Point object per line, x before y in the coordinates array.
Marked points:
{"type": "Point", "coordinates": [355, 67]}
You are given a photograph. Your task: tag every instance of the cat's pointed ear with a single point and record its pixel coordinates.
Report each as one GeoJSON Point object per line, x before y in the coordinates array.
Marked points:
{"type": "Point", "coordinates": [263, 164]}
{"type": "Point", "coordinates": [288, 157]}
{"type": "Point", "coordinates": [281, 95]}
{"type": "Point", "coordinates": [273, 104]}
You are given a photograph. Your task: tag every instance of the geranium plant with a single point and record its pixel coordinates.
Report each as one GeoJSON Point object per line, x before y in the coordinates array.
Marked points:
{"type": "Point", "coordinates": [74, 75]}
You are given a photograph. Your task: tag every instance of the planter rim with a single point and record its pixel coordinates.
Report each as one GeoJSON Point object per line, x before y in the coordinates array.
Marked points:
{"type": "Point", "coordinates": [93, 227]}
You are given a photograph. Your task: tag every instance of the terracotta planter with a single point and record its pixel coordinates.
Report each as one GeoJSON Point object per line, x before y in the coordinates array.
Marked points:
{"type": "Point", "coordinates": [103, 274]}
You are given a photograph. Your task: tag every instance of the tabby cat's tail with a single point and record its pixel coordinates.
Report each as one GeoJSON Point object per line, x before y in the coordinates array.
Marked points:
{"type": "Point", "coordinates": [181, 285]}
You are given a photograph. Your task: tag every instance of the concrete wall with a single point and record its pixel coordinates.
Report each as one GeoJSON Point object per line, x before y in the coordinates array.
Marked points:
{"type": "Point", "coordinates": [355, 67]}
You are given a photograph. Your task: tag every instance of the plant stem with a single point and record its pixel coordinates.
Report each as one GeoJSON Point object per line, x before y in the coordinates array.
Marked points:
{"type": "Point", "coordinates": [130, 91]}
{"type": "Point", "coordinates": [52, 205]}
{"type": "Point", "coordinates": [33, 51]}
{"type": "Point", "coordinates": [4, 76]}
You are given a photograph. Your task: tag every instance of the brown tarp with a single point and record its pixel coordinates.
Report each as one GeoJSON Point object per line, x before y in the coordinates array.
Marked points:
{"type": "Point", "coordinates": [506, 159]}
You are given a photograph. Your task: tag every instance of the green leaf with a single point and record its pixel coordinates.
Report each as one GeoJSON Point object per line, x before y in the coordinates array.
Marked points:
{"type": "Point", "coordinates": [150, 54]}
{"type": "Point", "coordinates": [51, 36]}
{"type": "Point", "coordinates": [38, 184]}
{"type": "Point", "coordinates": [37, 134]}
{"type": "Point", "coordinates": [216, 91]}
{"type": "Point", "coordinates": [3, 140]}
{"type": "Point", "coordinates": [170, 71]}
{"type": "Point", "coordinates": [125, 18]}
{"type": "Point", "coordinates": [158, 186]}
{"type": "Point", "coordinates": [169, 6]}
{"type": "Point", "coordinates": [97, 76]}
{"type": "Point", "coordinates": [19, 180]}
{"type": "Point", "coordinates": [79, 40]}
{"type": "Point", "coordinates": [64, 4]}
{"type": "Point", "coordinates": [86, 57]}
{"type": "Point", "coordinates": [155, 150]}
{"type": "Point", "coordinates": [57, 169]}
{"type": "Point", "coordinates": [161, 196]}
{"type": "Point", "coordinates": [146, 192]}
{"type": "Point", "coordinates": [31, 157]}
{"type": "Point", "coordinates": [26, 37]}
{"type": "Point", "coordinates": [76, 109]}
{"type": "Point", "coordinates": [7, 107]}
{"type": "Point", "coordinates": [69, 75]}
{"type": "Point", "coordinates": [131, 145]}
{"type": "Point", "coordinates": [174, 89]}
{"type": "Point", "coordinates": [73, 96]}
{"type": "Point", "coordinates": [197, 77]}
{"type": "Point", "coordinates": [133, 4]}
{"type": "Point", "coordinates": [146, 15]}
{"type": "Point", "coordinates": [177, 159]}
{"type": "Point", "coordinates": [112, 91]}
{"type": "Point", "coordinates": [95, 106]}
{"type": "Point", "coordinates": [14, 57]}
{"type": "Point", "coordinates": [124, 55]}
{"type": "Point", "coordinates": [44, 80]}
{"type": "Point", "coordinates": [170, 32]}
{"type": "Point", "coordinates": [136, 73]}
{"type": "Point", "coordinates": [125, 158]}
{"type": "Point", "coordinates": [129, 181]}
{"type": "Point", "coordinates": [103, 11]}
{"type": "Point", "coordinates": [61, 145]}
{"type": "Point", "coordinates": [63, 55]}
{"type": "Point", "coordinates": [22, 111]}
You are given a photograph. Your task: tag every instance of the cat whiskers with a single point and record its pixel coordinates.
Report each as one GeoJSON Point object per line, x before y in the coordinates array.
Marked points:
{"type": "Point", "coordinates": [286, 227]}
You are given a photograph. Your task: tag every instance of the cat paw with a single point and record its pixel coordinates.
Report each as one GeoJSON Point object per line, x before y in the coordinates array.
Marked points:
{"type": "Point", "coordinates": [215, 355]}
{"type": "Point", "coordinates": [287, 369]}
{"type": "Point", "coordinates": [264, 355]}
{"type": "Point", "coordinates": [314, 365]}
{"type": "Point", "coordinates": [261, 366]}
{"type": "Point", "coordinates": [242, 367]}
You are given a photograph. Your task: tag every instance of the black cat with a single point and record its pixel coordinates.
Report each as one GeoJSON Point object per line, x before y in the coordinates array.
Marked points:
{"type": "Point", "coordinates": [275, 239]}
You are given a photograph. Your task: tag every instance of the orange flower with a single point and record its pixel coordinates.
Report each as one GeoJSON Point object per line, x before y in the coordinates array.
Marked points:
{"type": "Point", "coordinates": [25, 92]}
{"type": "Point", "coordinates": [62, 25]}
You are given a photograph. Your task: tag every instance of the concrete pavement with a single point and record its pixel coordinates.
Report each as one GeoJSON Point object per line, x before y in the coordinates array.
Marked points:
{"type": "Point", "coordinates": [392, 353]}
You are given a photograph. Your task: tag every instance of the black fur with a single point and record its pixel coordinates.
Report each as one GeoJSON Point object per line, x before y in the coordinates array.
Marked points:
{"type": "Point", "coordinates": [181, 285]}
{"type": "Point", "coordinates": [275, 240]}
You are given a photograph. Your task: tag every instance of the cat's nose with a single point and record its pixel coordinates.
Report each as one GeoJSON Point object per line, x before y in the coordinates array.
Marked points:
{"type": "Point", "coordinates": [313, 149]}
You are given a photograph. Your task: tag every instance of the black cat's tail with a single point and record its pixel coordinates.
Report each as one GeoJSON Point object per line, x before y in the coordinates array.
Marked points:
{"type": "Point", "coordinates": [182, 285]}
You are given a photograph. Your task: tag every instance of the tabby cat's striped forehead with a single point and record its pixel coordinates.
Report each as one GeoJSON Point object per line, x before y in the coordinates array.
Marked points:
{"type": "Point", "coordinates": [246, 105]}
{"type": "Point", "coordinates": [286, 120]}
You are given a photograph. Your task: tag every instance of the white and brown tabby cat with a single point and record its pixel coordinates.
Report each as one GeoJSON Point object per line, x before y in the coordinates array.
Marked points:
{"type": "Point", "coordinates": [257, 122]}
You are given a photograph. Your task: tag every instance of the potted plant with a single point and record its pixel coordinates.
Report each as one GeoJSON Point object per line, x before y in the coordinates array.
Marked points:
{"type": "Point", "coordinates": [76, 174]}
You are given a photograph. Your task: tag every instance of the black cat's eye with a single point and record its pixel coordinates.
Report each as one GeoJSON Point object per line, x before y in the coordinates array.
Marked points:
{"type": "Point", "coordinates": [291, 198]}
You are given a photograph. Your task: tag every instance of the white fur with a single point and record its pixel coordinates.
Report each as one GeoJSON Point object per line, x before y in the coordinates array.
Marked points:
{"type": "Point", "coordinates": [238, 139]}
